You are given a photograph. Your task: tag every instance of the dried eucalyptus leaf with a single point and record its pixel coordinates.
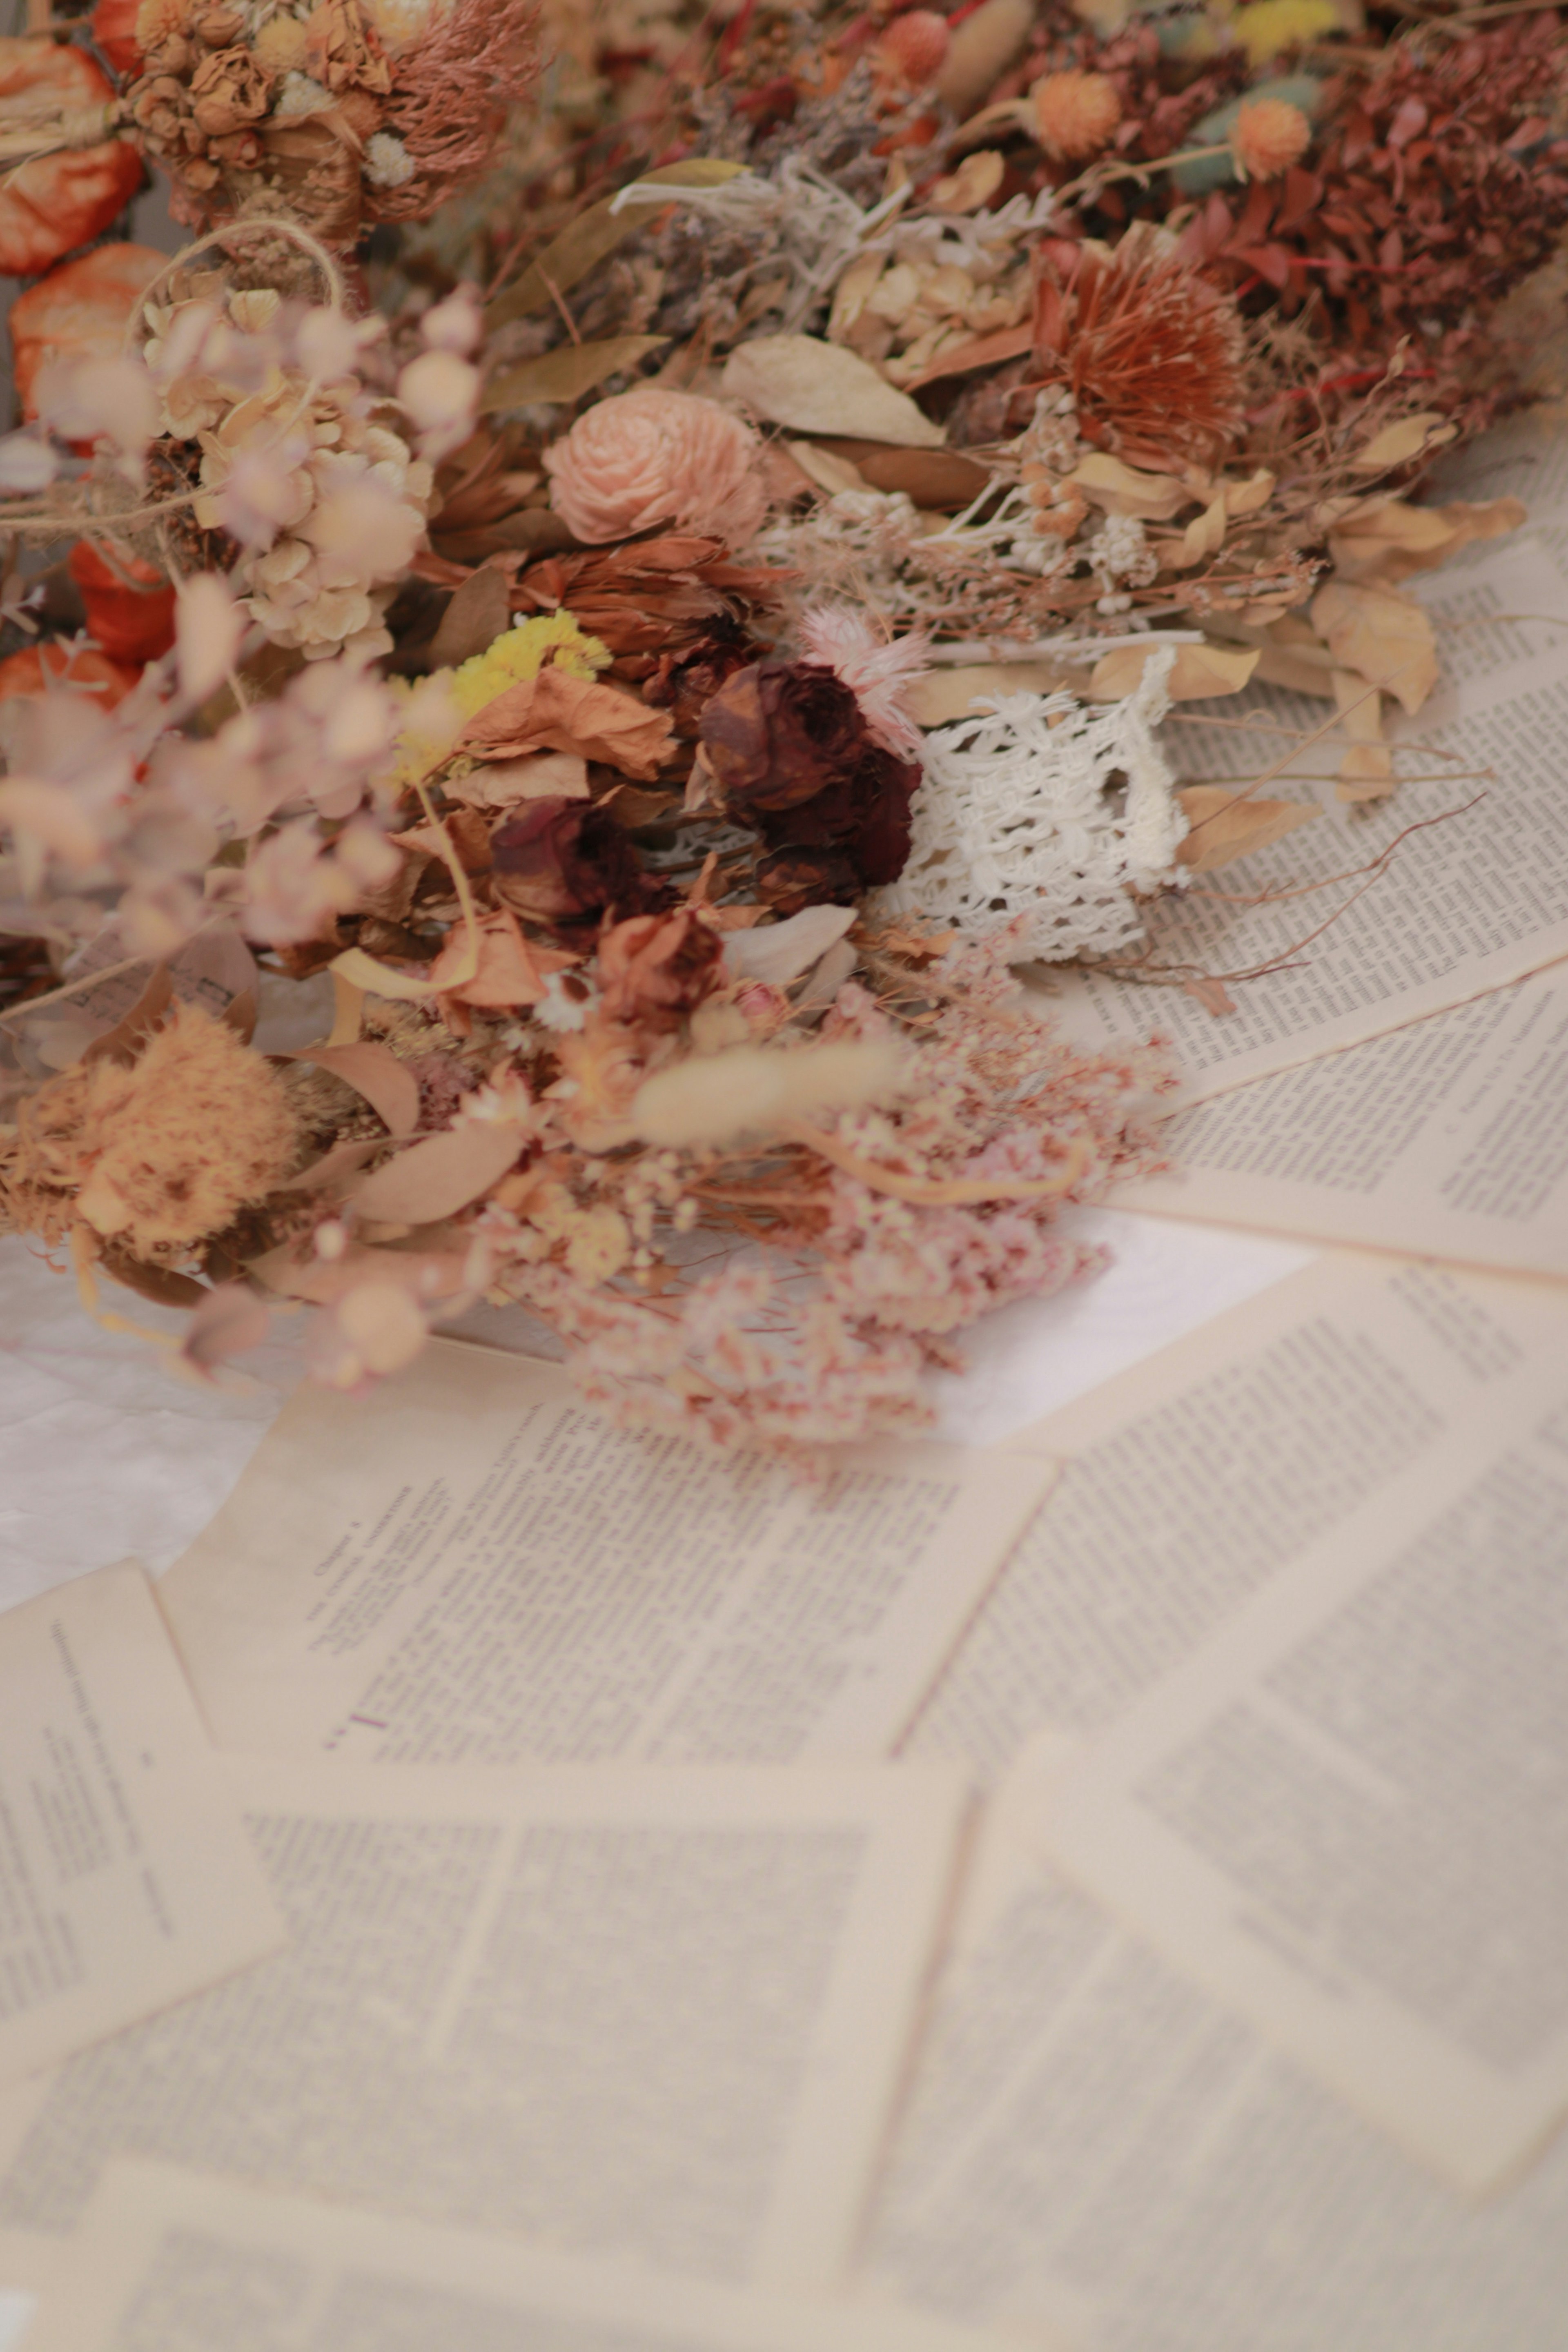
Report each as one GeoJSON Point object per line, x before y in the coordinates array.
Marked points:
{"type": "Point", "coordinates": [438, 1177]}
{"type": "Point", "coordinates": [816, 387]}
{"type": "Point", "coordinates": [568, 372]}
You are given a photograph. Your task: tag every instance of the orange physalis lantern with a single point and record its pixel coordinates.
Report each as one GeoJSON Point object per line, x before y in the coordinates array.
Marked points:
{"type": "Point", "coordinates": [129, 604]}
{"type": "Point", "coordinates": [37, 667]}
{"type": "Point", "coordinates": [79, 311]}
{"type": "Point", "coordinates": [52, 204]}
{"type": "Point", "coordinates": [114, 30]}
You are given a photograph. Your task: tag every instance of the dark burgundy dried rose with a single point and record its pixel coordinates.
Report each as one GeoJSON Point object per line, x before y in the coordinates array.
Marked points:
{"type": "Point", "coordinates": [780, 732]}
{"type": "Point", "coordinates": [656, 968]}
{"type": "Point", "coordinates": [789, 879]}
{"type": "Point", "coordinates": [793, 756]}
{"type": "Point", "coordinates": [567, 862]}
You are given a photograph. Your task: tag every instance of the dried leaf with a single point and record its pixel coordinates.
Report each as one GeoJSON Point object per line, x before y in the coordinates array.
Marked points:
{"type": "Point", "coordinates": [1386, 539]}
{"type": "Point", "coordinates": [1224, 827]}
{"type": "Point", "coordinates": [780, 953]}
{"type": "Point", "coordinates": [1384, 637]}
{"type": "Point", "coordinates": [567, 373]}
{"type": "Point", "coordinates": [160, 1285]}
{"type": "Point", "coordinates": [362, 972]}
{"type": "Point", "coordinates": [476, 615]}
{"type": "Point", "coordinates": [1197, 673]}
{"type": "Point", "coordinates": [505, 783]}
{"type": "Point", "coordinates": [586, 242]}
{"type": "Point", "coordinates": [1120, 490]}
{"type": "Point", "coordinates": [817, 387]}
{"type": "Point", "coordinates": [438, 1177]}
{"type": "Point", "coordinates": [945, 694]}
{"type": "Point", "coordinates": [933, 479]}
{"type": "Point", "coordinates": [974, 184]}
{"type": "Point", "coordinates": [335, 1170]}
{"type": "Point", "coordinates": [1396, 444]}
{"type": "Point", "coordinates": [388, 1085]}
{"type": "Point", "coordinates": [1205, 535]}
{"type": "Point", "coordinates": [1212, 994]}
{"type": "Point", "coordinates": [1246, 498]}
{"type": "Point", "coordinates": [562, 713]}
{"type": "Point", "coordinates": [508, 972]}
{"type": "Point", "coordinates": [1366, 769]}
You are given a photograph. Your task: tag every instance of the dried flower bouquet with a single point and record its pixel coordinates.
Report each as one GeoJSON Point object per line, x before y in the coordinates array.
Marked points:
{"type": "Point", "coordinates": [615, 678]}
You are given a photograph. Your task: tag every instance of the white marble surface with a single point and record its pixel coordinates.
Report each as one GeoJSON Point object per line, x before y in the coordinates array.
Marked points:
{"type": "Point", "coordinates": [104, 1452]}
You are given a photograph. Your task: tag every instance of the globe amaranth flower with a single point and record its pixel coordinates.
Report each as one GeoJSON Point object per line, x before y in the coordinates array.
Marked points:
{"type": "Point", "coordinates": [653, 456]}
{"type": "Point", "coordinates": [790, 748]}
{"type": "Point", "coordinates": [567, 864]}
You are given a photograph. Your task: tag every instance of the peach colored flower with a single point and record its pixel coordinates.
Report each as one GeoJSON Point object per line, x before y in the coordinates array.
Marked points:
{"type": "Point", "coordinates": [914, 48]}
{"type": "Point", "coordinates": [1267, 136]}
{"type": "Point", "coordinates": [654, 456]}
{"type": "Point", "coordinates": [1075, 113]}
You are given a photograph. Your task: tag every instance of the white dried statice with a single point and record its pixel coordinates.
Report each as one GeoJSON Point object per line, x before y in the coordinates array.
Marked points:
{"type": "Point", "coordinates": [1119, 557]}
{"type": "Point", "coordinates": [1050, 810]}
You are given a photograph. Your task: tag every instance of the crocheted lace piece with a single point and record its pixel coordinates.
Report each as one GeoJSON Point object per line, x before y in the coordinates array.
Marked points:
{"type": "Point", "coordinates": [1044, 809]}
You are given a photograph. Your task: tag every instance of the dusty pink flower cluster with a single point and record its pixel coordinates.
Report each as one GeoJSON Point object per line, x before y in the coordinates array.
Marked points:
{"type": "Point", "coordinates": [653, 456]}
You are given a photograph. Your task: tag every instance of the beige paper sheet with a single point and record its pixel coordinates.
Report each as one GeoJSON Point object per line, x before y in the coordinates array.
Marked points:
{"type": "Point", "coordinates": [1465, 906]}
{"type": "Point", "coordinates": [126, 1877]}
{"type": "Point", "coordinates": [645, 2014]}
{"type": "Point", "coordinates": [471, 1565]}
{"type": "Point", "coordinates": [1344, 1815]}
{"type": "Point", "coordinates": [1449, 1137]}
{"type": "Point", "coordinates": [165, 2253]}
{"type": "Point", "coordinates": [1194, 1477]}
{"type": "Point", "coordinates": [1095, 2146]}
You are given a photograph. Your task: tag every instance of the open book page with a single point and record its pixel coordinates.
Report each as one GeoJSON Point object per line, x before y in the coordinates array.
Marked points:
{"type": "Point", "coordinates": [1450, 1135]}
{"type": "Point", "coordinates": [126, 1877]}
{"type": "Point", "coordinates": [1345, 1814]}
{"type": "Point", "coordinates": [1093, 2146]}
{"type": "Point", "coordinates": [471, 1565]}
{"type": "Point", "coordinates": [1197, 1476]}
{"type": "Point", "coordinates": [656, 2014]}
{"type": "Point", "coordinates": [1464, 906]}
{"type": "Point", "coordinates": [164, 2253]}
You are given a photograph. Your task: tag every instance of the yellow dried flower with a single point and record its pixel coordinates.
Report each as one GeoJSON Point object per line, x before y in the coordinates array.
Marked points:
{"type": "Point", "coordinates": [1267, 26]}
{"type": "Point", "coordinates": [157, 1155]}
{"type": "Point", "coordinates": [1267, 136]}
{"type": "Point", "coordinates": [521, 652]}
{"type": "Point", "coordinates": [1076, 114]}
{"type": "Point", "coordinates": [280, 45]}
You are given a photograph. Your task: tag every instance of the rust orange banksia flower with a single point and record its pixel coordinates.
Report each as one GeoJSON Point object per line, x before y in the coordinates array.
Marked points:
{"type": "Point", "coordinates": [1152, 354]}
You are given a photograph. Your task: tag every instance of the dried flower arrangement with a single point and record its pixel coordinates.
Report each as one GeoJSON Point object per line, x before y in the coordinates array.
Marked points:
{"type": "Point", "coordinates": [662, 642]}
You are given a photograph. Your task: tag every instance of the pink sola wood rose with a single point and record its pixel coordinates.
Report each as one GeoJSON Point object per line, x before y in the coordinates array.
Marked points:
{"type": "Point", "coordinates": [654, 457]}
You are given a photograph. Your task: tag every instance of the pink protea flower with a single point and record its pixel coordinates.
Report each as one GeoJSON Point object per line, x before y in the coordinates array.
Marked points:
{"type": "Point", "coordinates": [1076, 114]}
{"type": "Point", "coordinates": [653, 456]}
{"type": "Point", "coordinates": [1267, 136]}
{"type": "Point", "coordinates": [879, 676]}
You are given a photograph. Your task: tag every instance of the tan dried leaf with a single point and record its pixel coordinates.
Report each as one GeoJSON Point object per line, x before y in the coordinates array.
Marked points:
{"type": "Point", "coordinates": [388, 1085]}
{"type": "Point", "coordinates": [817, 387]}
{"type": "Point", "coordinates": [1386, 539]}
{"type": "Point", "coordinates": [1386, 638]}
{"type": "Point", "coordinates": [1120, 490]}
{"type": "Point", "coordinates": [438, 1177]}
{"type": "Point", "coordinates": [1224, 827]}
{"type": "Point", "coordinates": [1197, 673]}
{"type": "Point", "coordinates": [558, 712]}
{"type": "Point", "coordinates": [1396, 444]}
{"type": "Point", "coordinates": [712, 1098]}
{"type": "Point", "coordinates": [506, 783]}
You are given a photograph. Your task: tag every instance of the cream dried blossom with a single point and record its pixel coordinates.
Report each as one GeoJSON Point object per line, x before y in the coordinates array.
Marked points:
{"type": "Point", "coordinates": [653, 456]}
{"type": "Point", "coordinates": [301, 462]}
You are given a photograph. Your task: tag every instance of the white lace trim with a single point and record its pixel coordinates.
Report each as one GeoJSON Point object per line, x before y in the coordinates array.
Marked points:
{"type": "Point", "coordinates": [1018, 816]}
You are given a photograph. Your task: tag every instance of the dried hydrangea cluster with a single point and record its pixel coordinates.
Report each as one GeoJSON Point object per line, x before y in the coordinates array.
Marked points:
{"type": "Point", "coordinates": [623, 730]}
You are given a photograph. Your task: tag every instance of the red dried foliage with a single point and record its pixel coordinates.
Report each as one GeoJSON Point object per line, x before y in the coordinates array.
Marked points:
{"type": "Point", "coordinates": [451, 96]}
{"type": "Point", "coordinates": [652, 596]}
{"type": "Point", "coordinates": [1152, 354]}
{"type": "Point", "coordinates": [1437, 186]}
